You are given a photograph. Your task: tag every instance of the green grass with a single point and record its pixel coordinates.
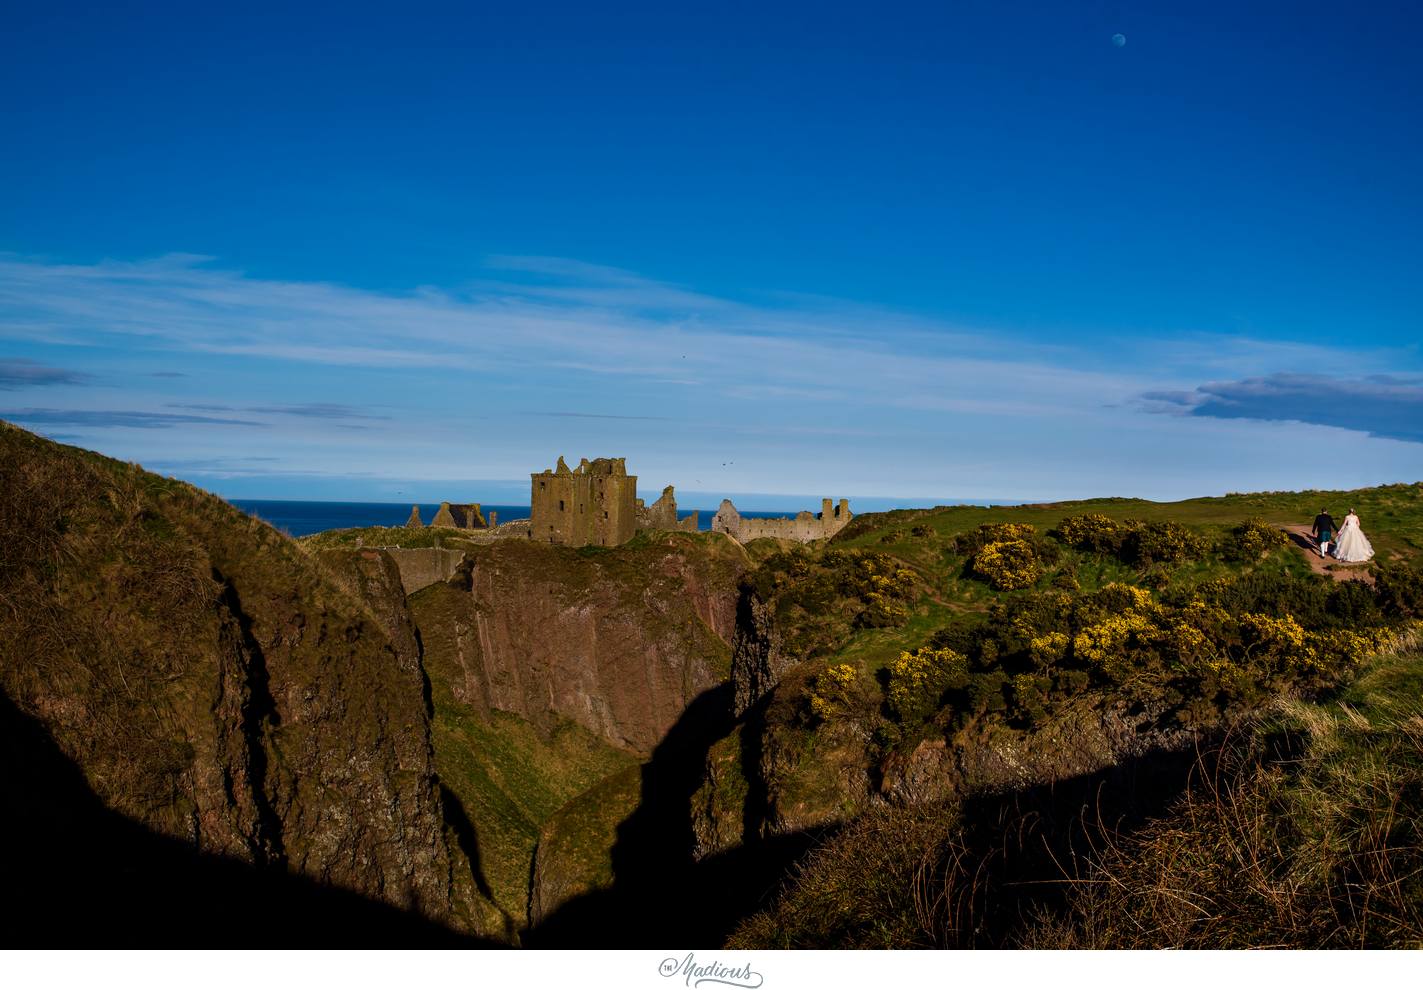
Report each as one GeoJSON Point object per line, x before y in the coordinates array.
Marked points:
{"type": "Point", "coordinates": [511, 778]}
{"type": "Point", "coordinates": [1392, 518]}
{"type": "Point", "coordinates": [576, 844]}
{"type": "Point", "coordinates": [388, 536]}
{"type": "Point", "coordinates": [1392, 515]}
{"type": "Point", "coordinates": [815, 609]}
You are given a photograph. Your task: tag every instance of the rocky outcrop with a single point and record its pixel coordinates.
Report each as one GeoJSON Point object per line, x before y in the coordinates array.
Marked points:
{"type": "Point", "coordinates": [1082, 740]}
{"type": "Point", "coordinates": [774, 776]}
{"type": "Point", "coordinates": [619, 640]}
{"type": "Point", "coordinates": [757, 660]}
{"type": "Point", "coordinates": [215, 685]}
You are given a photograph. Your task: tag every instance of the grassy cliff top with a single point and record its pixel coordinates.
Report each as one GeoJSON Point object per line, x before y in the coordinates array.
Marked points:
{"type": "Point", "coordinates": [1391, 515]}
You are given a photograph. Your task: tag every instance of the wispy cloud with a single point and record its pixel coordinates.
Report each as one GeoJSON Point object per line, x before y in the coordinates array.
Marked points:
{"type": "Point", "coordinates": [305, 410]}
{"type": "Point", "coordinates": [16, 373]}
{"type": "Point", "coordinates": [579, 415]}
{"type": "Point", "coordinates": [1388, 406]}
{"type": "Point", "coordinates": [318, 410]}
{"type": "Point", "coordinates": [536, 355]}
{"type": "Point", "coordinates": [567, 316]}
{"type": "Point", "coordinates": [115, 417]}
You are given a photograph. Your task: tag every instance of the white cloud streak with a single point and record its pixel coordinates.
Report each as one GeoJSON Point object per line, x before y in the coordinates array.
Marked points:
{"type": "Point", "coordinates": [830, 390]}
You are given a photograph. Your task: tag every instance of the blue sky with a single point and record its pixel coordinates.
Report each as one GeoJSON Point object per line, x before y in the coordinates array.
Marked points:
{"type": "Point", "coordinates": [914, 252]}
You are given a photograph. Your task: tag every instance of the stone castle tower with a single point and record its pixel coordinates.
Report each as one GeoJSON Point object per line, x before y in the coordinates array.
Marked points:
{"type": "Point", "coordinates": [594, 504]}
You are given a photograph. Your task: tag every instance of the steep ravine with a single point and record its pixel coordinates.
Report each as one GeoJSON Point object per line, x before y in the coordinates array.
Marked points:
{"type": "Point", "coordinates": [556, 671]}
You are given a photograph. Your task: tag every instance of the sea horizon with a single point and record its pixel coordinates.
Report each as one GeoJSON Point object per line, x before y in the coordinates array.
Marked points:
{"type": "Point", "coordinates": [303, 517]}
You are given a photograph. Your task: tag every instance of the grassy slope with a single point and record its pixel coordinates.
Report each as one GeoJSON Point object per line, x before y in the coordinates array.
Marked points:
{"type": "Point", "coordinates": [1392, 517]}
{"type": "Point", "coordinates": [389, 536]}
{"type": "Point", "coordinates": [576, 844]}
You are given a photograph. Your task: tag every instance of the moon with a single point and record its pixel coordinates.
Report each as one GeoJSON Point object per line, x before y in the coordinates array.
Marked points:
{"type": "Point", "coordinates": [1119, 40]}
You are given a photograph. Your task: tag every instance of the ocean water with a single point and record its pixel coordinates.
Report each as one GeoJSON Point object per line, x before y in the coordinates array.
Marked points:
{"type": "Point", "coordinates": [305, 518]}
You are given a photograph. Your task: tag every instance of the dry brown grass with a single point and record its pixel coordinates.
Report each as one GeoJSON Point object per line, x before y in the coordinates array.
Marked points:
{"type": "Point", "coordinates": [1319, 847]}
{"type": "Point", "coordinates": [1302, 827]}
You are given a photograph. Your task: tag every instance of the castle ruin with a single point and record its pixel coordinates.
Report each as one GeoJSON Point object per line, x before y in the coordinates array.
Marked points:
{"type": "Point", "coordinates": [453, 515]}
{"type": "Point", "coordinates": [662, 514]}
{"type": "Point", "coordinates": [803, 527]}
{"type": "Point", "coordinates": [596, 504]}
{"type": "Point", "coordinates": [592, 505]}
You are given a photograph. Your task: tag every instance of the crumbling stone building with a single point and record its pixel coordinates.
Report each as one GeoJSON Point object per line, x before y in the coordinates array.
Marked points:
{"type": "Point", "coordinates": [594, 505]}
{"type": "Point", "coordinates": [803, 528]}
{"type": "Point", "coordinates": [459, 516]}
{"type": "Point", "coordinates": [662, 514]}
{"type": "Point", "coordinates": [453, 515]}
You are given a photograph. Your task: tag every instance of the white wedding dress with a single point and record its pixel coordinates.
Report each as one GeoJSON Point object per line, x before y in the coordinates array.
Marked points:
{"type": "Point", "coordinates": [1350, 544]}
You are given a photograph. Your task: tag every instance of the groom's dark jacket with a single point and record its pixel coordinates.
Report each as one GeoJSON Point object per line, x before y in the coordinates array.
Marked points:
{"type": "Point", "coordinates": [1324, 523]}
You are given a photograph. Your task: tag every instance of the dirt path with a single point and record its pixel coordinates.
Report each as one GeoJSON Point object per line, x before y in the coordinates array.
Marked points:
{"type": "Point", "coordinates": [1304, 542]}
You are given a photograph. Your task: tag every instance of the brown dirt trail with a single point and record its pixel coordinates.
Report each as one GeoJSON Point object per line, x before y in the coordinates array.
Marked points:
{"type": "Point", "coordinates": [1302, 539]}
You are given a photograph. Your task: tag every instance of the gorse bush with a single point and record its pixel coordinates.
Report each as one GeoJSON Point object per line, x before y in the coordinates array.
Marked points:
{"type": "Point", "coordinates": [1192, 657]}
{"type": "Point", "coordinates": [1318, 603]}
{"type": "Point", "coordinates": [1008, 556]}
{"type": "Point", "coordinates": [917, 682]}
{"type": "Point", "coordinates": [1162, 543]}
{"type": "Point", "coordinates": [1252, 540]}
{"type": "Point", "coordinates": [1007, 565]}
{"type": "Point", "coordinates": [1143, 544]}
{"type": "Point", "coordinates": [1400, 591]}
{"type": "Point", "coordinates": [1092, 532]}
{"type": "Point", "coordinates": [832, 692]}
{"type": "Point", "coordinates": [819, 600]}
{"type": "Point", "coordinates": [978, 538]}
{"type": "Point", "coordinates": [886, 592]}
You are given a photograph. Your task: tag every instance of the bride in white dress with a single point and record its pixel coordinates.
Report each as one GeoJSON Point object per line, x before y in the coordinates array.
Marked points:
{"type": "Point", "coordinates": [1351, 545]}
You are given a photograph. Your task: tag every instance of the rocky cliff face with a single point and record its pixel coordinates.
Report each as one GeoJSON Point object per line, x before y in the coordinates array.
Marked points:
{"type": "Point", "coordinates": [619, 641]}
{"type": "Point", "coordinates": [757, 659]}
{"type": "Point", "coordinates": [214, 685]}
{"type": "Point", "coordinates": [776, 775]}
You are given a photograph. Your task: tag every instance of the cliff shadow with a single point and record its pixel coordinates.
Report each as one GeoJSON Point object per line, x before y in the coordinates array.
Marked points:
{"type": "Point", "coordinates": [77, 874]}
{"type": "Point", "coordinates": [1015, 856]}
{"type": "Point", "coordinates": [661, 895]}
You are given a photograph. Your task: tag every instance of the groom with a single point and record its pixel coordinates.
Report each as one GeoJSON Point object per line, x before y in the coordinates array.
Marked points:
{"type": "Point", "coordinates": [1323, 531]}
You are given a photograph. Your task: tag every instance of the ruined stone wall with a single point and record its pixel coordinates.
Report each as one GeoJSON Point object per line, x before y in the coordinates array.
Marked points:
{"type": "Point", "coordinates": [662, 514]}
{"type": "Point", "coordinates": [592, 505]}
{"type": "Point", "coordinates": [424, 566]}
{"type": "Point", "coordinates": [457, 515]}
{"type": "Point", "coordinates": [803, 527]}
